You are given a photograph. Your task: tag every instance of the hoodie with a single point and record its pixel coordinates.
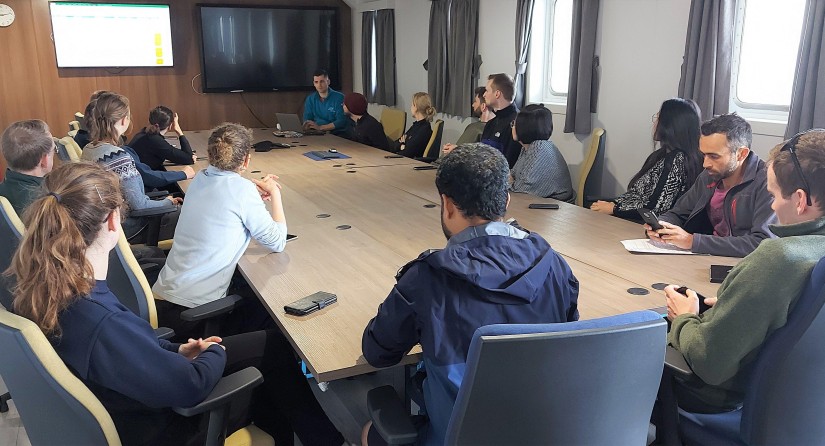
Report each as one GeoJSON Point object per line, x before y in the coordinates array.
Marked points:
{"type": "Point", "coordinates": [487, 274]}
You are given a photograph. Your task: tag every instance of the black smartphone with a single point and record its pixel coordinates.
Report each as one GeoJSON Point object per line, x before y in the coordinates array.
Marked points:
{"type": "Point", "coordinates": [291, 237]}
{"type": "Point", "coordinates": [650, 218]}
{"type": "Point", "coordinates": [313, 302]}
{"type": "Point", "coordinates": [425, 167]}
{"type": "Point", "coordinates": [702, 305]}
{"type": "Point", "coordinates": [394, 156]}
{"type": "Point", "coordinates": [542, 206]}
{"type": "Point", "coordinates": [719, 272]}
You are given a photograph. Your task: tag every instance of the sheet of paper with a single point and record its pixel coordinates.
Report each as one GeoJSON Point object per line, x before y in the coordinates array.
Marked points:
{"type": "Point", "coordinates": [648, 246]}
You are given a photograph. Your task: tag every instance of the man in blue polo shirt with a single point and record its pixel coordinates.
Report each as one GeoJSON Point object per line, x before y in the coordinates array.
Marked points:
{"type": "Point", "coordinates": [323, 110]}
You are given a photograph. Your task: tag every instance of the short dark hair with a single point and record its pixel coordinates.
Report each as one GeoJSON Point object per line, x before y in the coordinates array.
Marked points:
{"type": "Point", "coordinates": [503, 83]}
{"type": "Point", "coordinates": [320, 72]}
{"type": "Point", "coordinates": [25, 142]}
{"type": "Point", "coordinates": [476, 177]}
{"type": "Point", "coordinates": [810, 150]}
{"type": "Point", "coordinates": [534, 123]}
{"type": "Point", "coordinates": [480, 94]}
{"type": "Point", "coordinates": [737, 131]}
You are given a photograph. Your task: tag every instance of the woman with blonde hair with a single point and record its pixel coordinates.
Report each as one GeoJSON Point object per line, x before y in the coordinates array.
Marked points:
{"type": "Point", "coordinates": [60, 269]}
{"type": "Point", "coordinates": [413, 143]}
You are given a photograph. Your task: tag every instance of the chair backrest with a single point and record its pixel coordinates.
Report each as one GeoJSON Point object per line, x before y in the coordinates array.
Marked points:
{"type": "Point", "coordinates": [55, 406]}
{"type": "Point", "coordinates": [586, 382]}
{"type": "Point", "coordinates": [11, 231]}
{"type": "Point", "coordinates": [434, 145]}
{"type": "Point", "coordinates": [596, 147]}
{"type": "Point", "coordinates": [784, 400]}
{"type": "Point", "coordinates": [128, 282]}
{"type": "Point", "coordinates": [73, 150]}
{"type": "Point", "coordinates": [394, 122]}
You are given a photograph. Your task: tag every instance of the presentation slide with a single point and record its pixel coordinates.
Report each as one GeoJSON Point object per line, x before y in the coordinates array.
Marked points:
{"type": "Point", "coordinates": [111, 35]}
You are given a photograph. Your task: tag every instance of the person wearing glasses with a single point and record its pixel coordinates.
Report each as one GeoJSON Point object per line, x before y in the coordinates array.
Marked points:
{"type": "Point", "coordinates": [758, 294]}
{"type": "Point", "coordinates": [29, 149]}
{"type": "Point", "coordinates": [727, 211]}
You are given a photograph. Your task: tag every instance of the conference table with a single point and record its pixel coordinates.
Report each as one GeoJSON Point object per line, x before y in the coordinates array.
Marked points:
{"type": "Point", "coordinates": [359, 219]}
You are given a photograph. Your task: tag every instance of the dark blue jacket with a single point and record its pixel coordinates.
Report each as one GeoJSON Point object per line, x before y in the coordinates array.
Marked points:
{"type": "Point", "coordinates": [136, 376]}
{"type": "Point", "coordinates": [442, 297]}
{"type": "Point", "coordinates": [154, 178]}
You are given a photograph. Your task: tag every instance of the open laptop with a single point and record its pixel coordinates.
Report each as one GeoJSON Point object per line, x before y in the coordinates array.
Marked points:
{"type": "Point", "coordinates": [289, 122]}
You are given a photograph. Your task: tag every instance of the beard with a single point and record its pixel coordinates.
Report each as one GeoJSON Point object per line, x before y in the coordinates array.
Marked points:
{"type": "Point", "coordinates": [729, 170]}
{"type": "Point", "coordinates": [476, 113]}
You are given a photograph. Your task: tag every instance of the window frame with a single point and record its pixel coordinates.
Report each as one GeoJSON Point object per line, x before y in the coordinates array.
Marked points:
{"type": "Point", "coordinates": [539, 85]}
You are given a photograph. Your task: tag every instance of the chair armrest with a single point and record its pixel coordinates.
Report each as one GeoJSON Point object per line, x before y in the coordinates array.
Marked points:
{"type": "Point", "coordinates": [675, 361]}
{"type": "Point", "coordinates": [164, 333]}
{"type": "Point", "coordinates": [157, 194]}
{"type": "Point", "coordinates": [153, 212]}
{"type": "Point", "coordinates": [212, 309]}
{"type": "Point", "coordinates": [389, 416]}
{"type": "Point", "coordinates": [227, 388]}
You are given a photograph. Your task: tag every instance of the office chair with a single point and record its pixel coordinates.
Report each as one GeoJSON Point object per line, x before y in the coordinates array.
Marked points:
{"type": "Point", "coordinates": [585, 382]}
{"type": "Point", "coordinates": [596, 151]}
{"type": "Point", "coordinates": [784, 396]}
{"type": "Point", "coordinates": [68, 145]}
{"type": "Point", "coordinates": [433, 148]}
{"type": "Point", "coordinates": [394, 122]}
{"type": "Point", "coordinates": [57, 408]}
{"type": "Point", "coordinates": [11, 231]}
{"type": "Point", "coordinates": [74, 126]}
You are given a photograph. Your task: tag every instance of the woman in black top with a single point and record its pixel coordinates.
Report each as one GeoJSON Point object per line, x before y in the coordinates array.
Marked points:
{"type": "Point", "coordinates": [669, 171]}
{"type": "Point", "coordinates": [413, 143]}
{"type": "Point", "coordinates": [152, 147]}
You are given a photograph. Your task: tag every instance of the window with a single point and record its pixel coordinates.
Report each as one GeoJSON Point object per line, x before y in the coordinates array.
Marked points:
{"type": "Point", "coordinates": [549, 60]}
{"type": "Point", "coordinates": [764, 58]}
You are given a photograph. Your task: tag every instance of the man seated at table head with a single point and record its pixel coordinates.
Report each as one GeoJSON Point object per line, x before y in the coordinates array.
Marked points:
{"type": "Point", "coordinates": [489, 273]}
{"type": "Point", "coordinates": [472, 133]}
{"type": "Point", "coordinates": [367, 129]}
{"type": "Point", "coordinates": [29, 149]}
{"type": "Point", "coordinates": [728, 209]}
{"type": "Point", "coordinates": [756, 297]}
{"type": "Point", "coordinates": [322, 109]}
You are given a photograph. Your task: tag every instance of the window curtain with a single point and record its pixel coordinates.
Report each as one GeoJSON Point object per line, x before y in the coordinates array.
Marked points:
{"type": "Point", "coordinates": [436, 64]}
{"type": "Point", "coordinates": [706, 66]}
{"type": "Point", "coordinates": [807, 99]}
{"type": "Point", "coordinates": [524, 26]}
{"type": "Point", "coordinates": [582, 87]}
{"type": "Point", "coordinates": [385, 54]}
{"type": "Point", "coordinates": [367, 31]}
{"type": "Point", "coordinates": [462, 77]}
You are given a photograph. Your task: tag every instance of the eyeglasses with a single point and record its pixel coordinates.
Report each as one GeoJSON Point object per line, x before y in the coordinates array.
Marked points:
{"type": "Point", "coordinates": [790, 147]}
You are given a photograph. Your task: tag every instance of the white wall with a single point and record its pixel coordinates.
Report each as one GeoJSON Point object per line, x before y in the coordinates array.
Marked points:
{"type": "Point", "coordinates": [640, 45]}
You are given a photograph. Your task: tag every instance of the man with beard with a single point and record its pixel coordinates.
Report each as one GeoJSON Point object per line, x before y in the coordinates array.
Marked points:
{"type": "Point", "coordinates": [489, 273]}
{"type": "Point", "coordinates": [728, 209]}
{"type": "Point", "coordinates": [472, 133]}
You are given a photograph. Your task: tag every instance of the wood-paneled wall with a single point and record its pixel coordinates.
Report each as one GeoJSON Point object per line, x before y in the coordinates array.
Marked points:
{"type": "Point", "coordinates": [31, 85]}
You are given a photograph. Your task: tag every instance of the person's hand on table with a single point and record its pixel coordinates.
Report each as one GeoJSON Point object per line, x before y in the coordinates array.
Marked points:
{"type": "Point", "coordinates": [604, 207]}
{"type": "Point", "coordinates": [195, 347]}
{"type": "Point", "coordinates": [190, 172]}
{"type": "Point", "coordinates": [310, 125]}
{"type": "Point", "coordinates": [678, 303]}
{"type": "Point", "coordinates": [194, 158]}
{"type": "Point", "coordinates": [674, 235]}
{"type": "Point", "coordinates": [268, 186]}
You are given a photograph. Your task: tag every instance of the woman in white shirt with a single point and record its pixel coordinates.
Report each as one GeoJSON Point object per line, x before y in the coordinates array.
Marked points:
{"type": "Point", "coordinates": [222, 213]}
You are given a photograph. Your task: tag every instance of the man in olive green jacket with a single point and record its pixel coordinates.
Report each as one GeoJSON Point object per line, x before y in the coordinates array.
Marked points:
{"type": "Point", "coordinates": [754, 300]}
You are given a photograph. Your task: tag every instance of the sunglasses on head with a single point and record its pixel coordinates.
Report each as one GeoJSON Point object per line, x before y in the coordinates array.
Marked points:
{"type": "Point", "coordinates": [790, 147]}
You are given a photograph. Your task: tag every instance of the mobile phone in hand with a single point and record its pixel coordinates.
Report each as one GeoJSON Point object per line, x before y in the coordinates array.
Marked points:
{"type": "Point", "coordinates": [702, 305]}
{"type": "Point", "coordinates": [650, 218]}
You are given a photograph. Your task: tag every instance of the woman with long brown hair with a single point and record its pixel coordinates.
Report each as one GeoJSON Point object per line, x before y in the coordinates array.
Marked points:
{"type": "Point", "coordinates": [60, 269]}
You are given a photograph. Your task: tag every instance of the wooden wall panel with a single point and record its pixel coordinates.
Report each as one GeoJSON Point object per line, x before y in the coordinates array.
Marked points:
{"type": "Point", "coordinates": [31, 85]}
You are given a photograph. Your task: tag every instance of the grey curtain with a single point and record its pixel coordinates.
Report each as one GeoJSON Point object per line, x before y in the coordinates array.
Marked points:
{"type": "Point", "coordinates": [808, 97]}
{"type": "Point", "coordinates": [524, 26]}
{"type": "Point", "coordinates": [583, 64]}
{"type": "Point", "coordinates": [367, 31]}
{"type": "Point", "coordinates": [706, 66]}
{"type": "Point", "coordinates": [436, 64]}
{"type": "Point", "coordinates": [385, 55]}
{"type": "Point", "coordinates": [463, 38]}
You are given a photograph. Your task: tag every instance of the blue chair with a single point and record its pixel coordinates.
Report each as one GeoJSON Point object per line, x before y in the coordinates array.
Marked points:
{"type": "Point", "coordinates": [785, 396]}
{"type": "Point", "coordinates": [11, 231]}
{"type": "Point", "coordinates": [585, 382]}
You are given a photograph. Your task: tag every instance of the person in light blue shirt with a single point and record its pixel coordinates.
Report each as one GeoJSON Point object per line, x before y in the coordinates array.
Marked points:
{"type": "Point", "coordinates": [323, 110]}
{"type": "Point", "coordinates": [223, 211]}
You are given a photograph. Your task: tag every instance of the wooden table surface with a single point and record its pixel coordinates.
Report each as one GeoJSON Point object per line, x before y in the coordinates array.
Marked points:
{"type": "Point", "coordinates": [388, 207]}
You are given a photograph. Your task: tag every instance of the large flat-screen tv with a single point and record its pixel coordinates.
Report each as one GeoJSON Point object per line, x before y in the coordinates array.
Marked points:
{"type": "Point", "coordinates": [111, 34]}
{"type": "Point", "coordinates": [267, 48]}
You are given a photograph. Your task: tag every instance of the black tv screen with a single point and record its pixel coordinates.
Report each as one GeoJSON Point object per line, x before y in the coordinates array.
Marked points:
{"type": "Point", "coordinates": [265, 48]}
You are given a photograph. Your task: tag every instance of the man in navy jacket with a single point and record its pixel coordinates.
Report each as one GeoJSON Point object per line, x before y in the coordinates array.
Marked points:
{"type": "Point", "coordinates": [489, 273]}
